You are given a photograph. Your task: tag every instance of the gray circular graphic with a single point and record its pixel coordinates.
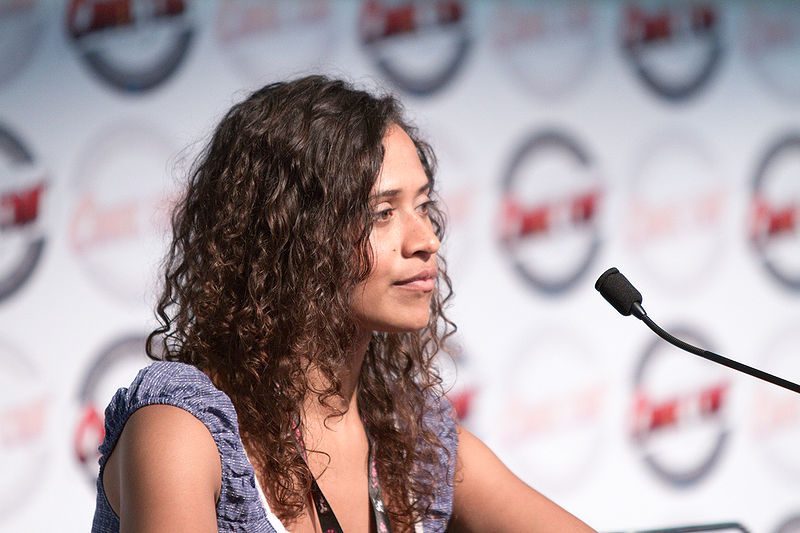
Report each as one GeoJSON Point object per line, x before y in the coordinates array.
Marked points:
{"type": "Point", "coordinates": [775, 211]}
{"type": "Point", "coordinates": [114, 367]}
{"type": "Point", "coordinates": [549, 211]}
{"type": "Point", "coordinates": [418, 45]}
{"type": "Point", "coordinates": [679, 417]}
{"type": "Point", "coordinates": [674, 47]}
{"type": "Point", "coordinates": [23, 186]}
{"type": "Point", "coordinates": [132, 46]}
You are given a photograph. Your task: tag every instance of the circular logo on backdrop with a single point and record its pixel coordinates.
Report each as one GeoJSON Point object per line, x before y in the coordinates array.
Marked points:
{"type": "Point", "coordinates": [131, 45]}
{"type": "Point", "coordinates": [776, 412]}
{"type": "Point", "coordinates": [772, 44]}
{"type": "Point", "coordinates": [550, 425]}
{"type": "Point", "coordinates": [21, 26]}
{"type": "Point", "coordinates": [547, 46]}
{"type": "Point", "coordinates": [25, 405]}
{"type": "Point", "coordinates": [674, 47]}
{"type": "Point", "coordinates": [115, 367]}
{"type": "Point", "coordinates": [790, 525]}
{"type": "Point", "coordinates": [419, 45]}
{"type": "Point", "coordinates": [23, 185]}
{"type": "Point", "coordinates": [775, 211]}
{"type": "Point", "coordinates": [680, 411]}
{"type": "Point", "coordinates": [549, 223]}
{"type": "Point", "coordinates": [269, 40]}
{"type": "Point", "coordinates": [676, 210]}
{"type": "Point", "coordinates": [120, 219]}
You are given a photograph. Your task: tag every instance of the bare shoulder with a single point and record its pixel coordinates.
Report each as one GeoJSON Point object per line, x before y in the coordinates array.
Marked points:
{"type": "Point", "coordinates": [489, 497]}
{"type": "Point", "coordinates": [164, 473]}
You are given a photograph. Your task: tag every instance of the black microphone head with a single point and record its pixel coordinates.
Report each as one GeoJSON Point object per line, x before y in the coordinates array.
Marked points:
{"type": "Point", "coordinates": [618, 291]}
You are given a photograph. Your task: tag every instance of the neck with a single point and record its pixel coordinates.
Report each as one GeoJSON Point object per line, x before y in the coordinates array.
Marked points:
{"type": "Point", "coordinates": [315, 414]}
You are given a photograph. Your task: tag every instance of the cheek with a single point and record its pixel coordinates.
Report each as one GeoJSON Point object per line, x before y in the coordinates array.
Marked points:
{"type": "Point", "coordinates": [370, 294]}
{"type": "Point", "coordinates": [370, 289]}
{"type": "Point", "coordinates": [381, 252]}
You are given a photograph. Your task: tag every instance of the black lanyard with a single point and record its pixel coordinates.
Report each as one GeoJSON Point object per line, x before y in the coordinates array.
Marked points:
{"type": "Point", "coordinates": [327, 520]}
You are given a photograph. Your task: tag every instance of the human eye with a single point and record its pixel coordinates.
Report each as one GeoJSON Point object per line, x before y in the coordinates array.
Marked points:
{"type": "Point", "coordinates": [382, 214]}
{"type": "Point", "coordinates": [426, 206]}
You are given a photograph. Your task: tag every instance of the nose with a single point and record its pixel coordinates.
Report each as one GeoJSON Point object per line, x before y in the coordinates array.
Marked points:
{"type": "Point", "coordinates": [419, 238]}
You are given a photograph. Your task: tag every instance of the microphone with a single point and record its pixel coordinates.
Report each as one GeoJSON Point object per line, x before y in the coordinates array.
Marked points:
{"type": "Point", "coordinates": [621, 294]}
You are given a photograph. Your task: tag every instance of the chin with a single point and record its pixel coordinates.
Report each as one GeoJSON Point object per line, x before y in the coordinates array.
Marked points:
{"type": "Point", "coordinates": [414, 321]}
{"type": "Point", "coordinates": [406, 324]}
{"type": "Point", "coordinates": [403, 328]}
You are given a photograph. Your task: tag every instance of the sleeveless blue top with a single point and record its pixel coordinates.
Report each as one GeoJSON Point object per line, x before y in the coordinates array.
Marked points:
{"type": "Point", "coordinates": [240, 507]}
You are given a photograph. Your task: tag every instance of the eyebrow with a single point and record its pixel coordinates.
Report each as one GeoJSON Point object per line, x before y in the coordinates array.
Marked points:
{"type": "Point", "coordinates": [392, 193]}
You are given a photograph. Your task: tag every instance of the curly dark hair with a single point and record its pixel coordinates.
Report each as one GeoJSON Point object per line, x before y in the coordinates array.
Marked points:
{"type": "Point", "coordinates": [270, 240]}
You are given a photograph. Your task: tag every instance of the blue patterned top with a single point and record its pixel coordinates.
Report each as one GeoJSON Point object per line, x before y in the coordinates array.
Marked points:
{"type": "Point", "coordinates": [240, 507]}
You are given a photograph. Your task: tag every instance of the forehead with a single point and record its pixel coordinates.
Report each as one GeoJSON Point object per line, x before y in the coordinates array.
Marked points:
{"type": "Point", "coordinates": [401, 168]}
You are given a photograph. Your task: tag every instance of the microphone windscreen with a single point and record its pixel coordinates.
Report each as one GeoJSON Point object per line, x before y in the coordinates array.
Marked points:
{"type": "Point", "coordinates": [618, 291]}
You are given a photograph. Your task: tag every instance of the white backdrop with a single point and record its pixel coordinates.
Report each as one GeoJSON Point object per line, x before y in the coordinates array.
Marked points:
{"type": "Point", "coordinates": [661, 139]}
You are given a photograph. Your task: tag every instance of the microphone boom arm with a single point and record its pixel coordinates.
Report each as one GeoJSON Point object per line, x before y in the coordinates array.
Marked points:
{"type": "Point", "coordinates": [639, 313]}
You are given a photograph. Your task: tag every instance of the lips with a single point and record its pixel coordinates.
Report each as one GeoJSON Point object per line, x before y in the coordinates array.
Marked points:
{"type": "Point", "coordinates": [422, 281]}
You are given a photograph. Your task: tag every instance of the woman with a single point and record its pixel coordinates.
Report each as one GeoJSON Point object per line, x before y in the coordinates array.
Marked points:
{"type": "Point", "coordinates": [302, 308]}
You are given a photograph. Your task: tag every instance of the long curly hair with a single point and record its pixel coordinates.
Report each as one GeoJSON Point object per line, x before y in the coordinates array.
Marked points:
{"type": "Point", "coordinates": [269, 242]}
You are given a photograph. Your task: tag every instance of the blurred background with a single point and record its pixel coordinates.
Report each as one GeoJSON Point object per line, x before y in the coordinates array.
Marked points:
{"type": "Point", "coordinates": [659, 137]}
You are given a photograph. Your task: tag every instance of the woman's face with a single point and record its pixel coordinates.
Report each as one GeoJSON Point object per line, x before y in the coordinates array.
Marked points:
{"type": "Point", "coordinates": [396, 295]}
